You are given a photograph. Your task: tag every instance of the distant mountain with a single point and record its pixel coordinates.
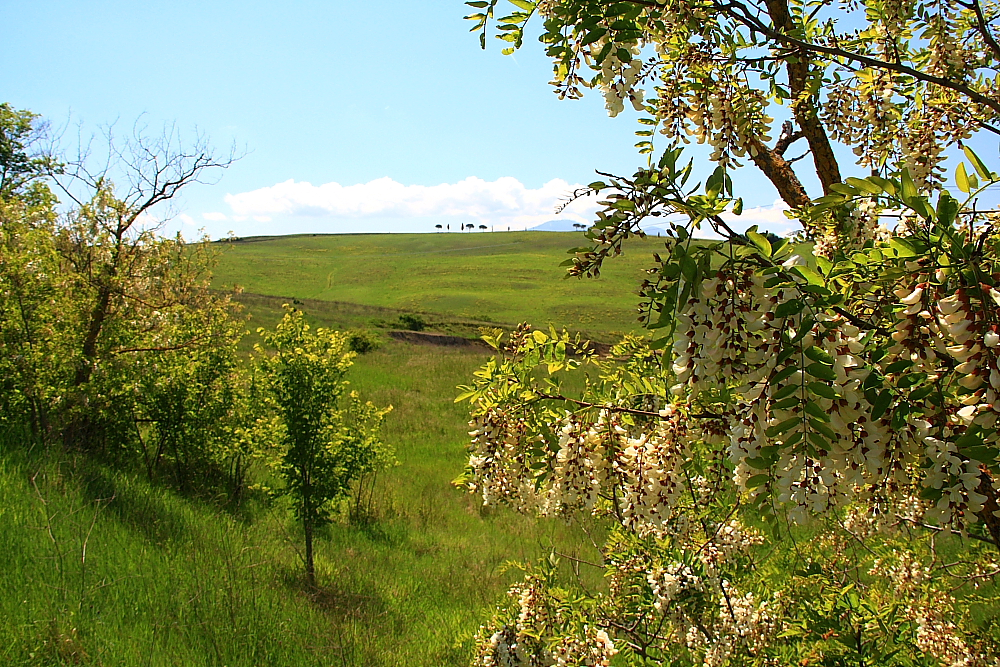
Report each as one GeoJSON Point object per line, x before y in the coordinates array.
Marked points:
{"type": "Point", "coordinates": [555, 226]}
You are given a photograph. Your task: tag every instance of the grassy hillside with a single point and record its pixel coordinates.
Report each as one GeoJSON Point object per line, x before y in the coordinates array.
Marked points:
{"type": "Point", "coordinates": [503, 277]}
{"type": "Point", "coordinates": [104, 568]}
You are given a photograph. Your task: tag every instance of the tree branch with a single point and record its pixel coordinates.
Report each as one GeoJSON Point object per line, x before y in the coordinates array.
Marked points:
{"type": "Point", "coordinates": [741, 14]}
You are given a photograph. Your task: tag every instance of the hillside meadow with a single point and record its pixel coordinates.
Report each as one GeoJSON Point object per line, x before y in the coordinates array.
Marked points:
{"type": "Point", "coordinates": [105, 567]}
{"type": "Point", "coordinates": [458, 280]}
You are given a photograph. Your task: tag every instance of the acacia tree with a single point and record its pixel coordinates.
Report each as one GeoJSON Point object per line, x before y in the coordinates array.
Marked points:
{"type": "Point", "coordinates": [328, 437]}
{"type": "Point", "coordinates": [801, 467]}
{"type": "Point", "coordinates": [895, 81]}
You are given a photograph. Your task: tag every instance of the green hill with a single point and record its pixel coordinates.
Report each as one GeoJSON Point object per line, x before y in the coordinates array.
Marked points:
{"type": "Point", "coordinates": [105, 567]}
{"type": "Point", "coordinates": [502, 277]}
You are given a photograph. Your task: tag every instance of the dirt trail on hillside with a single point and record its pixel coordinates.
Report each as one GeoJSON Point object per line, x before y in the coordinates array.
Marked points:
{"type": "Point", "coordinates": [428, 338]}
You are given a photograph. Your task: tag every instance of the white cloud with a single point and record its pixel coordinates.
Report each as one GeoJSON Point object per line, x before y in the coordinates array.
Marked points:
{"type": "Point", "coordinates": [186, 219]}
{"type": "Point", "coordinates": [503, 202]}
{"type": "Point", "coordinates": [215, 217]}
{"type": "Point", "coordinates": [767, 218]}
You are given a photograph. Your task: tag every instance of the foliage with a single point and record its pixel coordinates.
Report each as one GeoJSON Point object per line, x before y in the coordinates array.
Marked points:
{"type": "Point", "coordinates": [412, 322]}
{"type": "Point", "coordinates": [111, 338]}
{"type": "Point", "coordinates": [362, 341]}
{"type": "Point", "coordinates": [896, 82]}
{"type": "Point", "coordinates": [329, 437]}
{"type": "Point", "coordinates": [22, 162]}
{"type": "Point", "coordinates": [801, 466]}
{"type": "Point", "coordinates": [819, 425]}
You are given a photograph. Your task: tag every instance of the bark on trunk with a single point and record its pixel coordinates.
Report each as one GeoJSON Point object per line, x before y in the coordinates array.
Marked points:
{"type": "Point", "coordinates": [89, 351]}
{"type": "Point", "coordinates": [804, 105]}
{"type": "Point", "coordinates": [310, 563]}
{"type": "Point", "coordinates": [779, 171]}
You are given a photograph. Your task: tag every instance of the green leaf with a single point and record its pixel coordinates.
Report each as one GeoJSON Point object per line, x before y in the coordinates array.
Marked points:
{"type": "Point", "coordinates": [909, 187]}
{"type": "Point", "coordinates": [980, 167]}
{"type": "Point", "coordinates": [786, 403]}
{"type": "Point", "coordinates": [823, 428]}
{"type": "Point", "coordinates": [899, 415]}
{"type": "Point", "coordinates": [863, 184]}
{"type": "Point", "coordinates": [911, 380]}
{"type": "Point", "coordinates": [887, 186]}
{"type": "Point", "coordinates": [819, 354]}
{"type": "Point", "coordinates": [821, 371]}
{"type": "Point", "coordinates": [688, 268]}
{"type": "Point", "coordinates": [819, 440]}
{"type": "Point", "coordinates": [962, 179]}
{"type": "Point", "coordinates": [844, 189]}
{"type": "Point", "coordinates": [809, 274]}
{"type": "Point", "coordinates": [898, 366]}
{"type": "Point", "coordinates": [903, 247]}
{"type": "Point", "coordinates": [757, 480]}
{"type": "Point", "coordinates": [947, 209]}
{"type": "Point", "coordinates": [817, 412]}
{"type": "Point", "coordinates": [783, 374]}
{"type": "Point", "coordinates": [785, 391]}
{"type": "Point", "coordinates": [593, 36]}
{"type": "Point", "coordinates": [762, 243]}
{"type": "Point", "coordinates": [778, 429]}
{"type": "Point", "coordinates": [466, 395]}
{"type": "Point", "coordinates": [881, 404]}
{"type": "Point", "coordinates": [787, 308]}
{"type": "Point", "coordinates": [824, 390]}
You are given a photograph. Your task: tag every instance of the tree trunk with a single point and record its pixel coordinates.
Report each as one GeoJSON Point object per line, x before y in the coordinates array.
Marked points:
{"type": "Point", "coordinates": [804, 104]}
{"type": "Point", "coordinates": [89, 351]}
{"type": "Point", "coordinates": [779, 171]}
{"type": "Point", "coordinates": [308, 518]}
{"type": "Point", "coordinates": [307, 523]}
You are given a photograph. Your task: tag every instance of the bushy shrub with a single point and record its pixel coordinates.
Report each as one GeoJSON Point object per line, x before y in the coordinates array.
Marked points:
{"type": "Point", "coordinates": [363, 341]}
{"type": "Point", "coordinates": [412, 322]}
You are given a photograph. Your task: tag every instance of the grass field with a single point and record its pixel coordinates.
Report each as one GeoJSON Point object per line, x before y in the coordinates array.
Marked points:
{"type": "Point", "coordinates": [104, 568]}
{"type": "Point", "coordinates": [501, 277]}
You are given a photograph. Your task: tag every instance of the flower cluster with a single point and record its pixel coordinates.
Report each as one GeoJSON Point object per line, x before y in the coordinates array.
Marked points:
{"type": "Point", "coordinates": [950, 335]}
{"type": "Point", "coordinates": [542, 636]}
{"type": "Point", "coordinates": [498, 462]}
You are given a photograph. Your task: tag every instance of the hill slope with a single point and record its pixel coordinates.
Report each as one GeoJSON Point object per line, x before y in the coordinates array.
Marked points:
{"type": "Point", "coordinates": [503, 277]}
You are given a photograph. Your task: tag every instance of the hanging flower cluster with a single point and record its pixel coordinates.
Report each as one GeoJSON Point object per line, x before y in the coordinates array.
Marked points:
{"type": "Point", "coordinates": [543, 634]}
{"type": "Point", "coordinates": [857, 387]}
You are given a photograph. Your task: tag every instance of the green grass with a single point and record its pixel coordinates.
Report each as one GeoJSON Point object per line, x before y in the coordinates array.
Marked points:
{"type": "Point", "coordinates": [502, 277]}
{"type": "Point", "coordinates": [102, 567]}
{"type": "Point", "coordinates": [170, 580]}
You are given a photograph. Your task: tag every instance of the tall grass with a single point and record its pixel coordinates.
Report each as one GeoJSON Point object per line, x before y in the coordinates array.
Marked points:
{"type": "Point", "coordinates": [100, 567]}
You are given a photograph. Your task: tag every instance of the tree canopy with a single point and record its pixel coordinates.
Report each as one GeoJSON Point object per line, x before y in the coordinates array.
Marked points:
{"type": "Point", "coordinates": [895, 82]}
{"type": "Point", "coordinates": [799, 462]}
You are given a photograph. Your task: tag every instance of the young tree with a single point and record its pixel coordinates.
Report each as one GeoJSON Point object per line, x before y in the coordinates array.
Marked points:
{"type": "Point", "coordinates": [802, 466]}
{"type": "Point", "coordinates": [328, 436]}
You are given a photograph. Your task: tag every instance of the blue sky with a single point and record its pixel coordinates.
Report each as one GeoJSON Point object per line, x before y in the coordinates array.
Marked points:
{"type": "Point", "coordinates": [345, 108]}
